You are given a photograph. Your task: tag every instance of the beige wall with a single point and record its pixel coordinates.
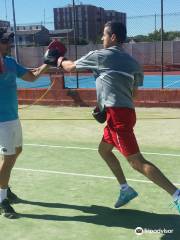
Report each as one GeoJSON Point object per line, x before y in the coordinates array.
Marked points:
{"type": "Point", "coordinates": [145, 53]}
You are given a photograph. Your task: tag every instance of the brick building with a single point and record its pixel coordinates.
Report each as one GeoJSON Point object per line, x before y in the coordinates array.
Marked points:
{"type": "Point", "coordinates": [32, 35]}
{"type": "Point", "coordinates": [114, 15]}
{"type": "Point", "coordinates": [4, 24]}
{"type": "Point", "coordinates": [64, 35]}
{"type": "Point", "coordinates": [89, 20]}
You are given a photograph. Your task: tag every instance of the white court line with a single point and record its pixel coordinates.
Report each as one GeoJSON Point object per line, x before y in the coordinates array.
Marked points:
{"type": "Point", "coordinates": [81, 175]}
{"type": "Point", "coordinates": [95, 149]}
{"type": "Point", "coordinates": [172, 84]}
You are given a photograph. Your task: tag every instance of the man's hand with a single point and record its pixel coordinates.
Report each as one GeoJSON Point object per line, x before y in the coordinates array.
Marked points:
{"type": "Point", "coordinates": [35, 73]}
{"type": "Point", "coordinates": [98, 115]}
{"type": "Point", "coordinates": [59, 61]}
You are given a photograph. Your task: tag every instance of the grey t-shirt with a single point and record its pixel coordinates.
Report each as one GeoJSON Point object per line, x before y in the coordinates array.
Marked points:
{"type": "Point", "coordinates": [116, 73]}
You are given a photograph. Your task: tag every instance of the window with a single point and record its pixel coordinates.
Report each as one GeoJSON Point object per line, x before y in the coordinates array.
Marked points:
{"type": "Point", "coordinates": [20, 39]}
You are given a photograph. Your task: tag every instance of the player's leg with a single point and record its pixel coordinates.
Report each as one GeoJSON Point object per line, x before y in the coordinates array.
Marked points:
{"type": "Point", "coordinates": [106, 146]}
{"type": "Point", "coordinates": [105, 151]}
{"type": "Point", "coordinates": [8, 158]}
{"type": "Point", "coordinates": [139, 163]}
{"type": "Point", "coordinates": [6, 165]}
{"type": "Point", "coordinates": [127, 193]}
{"type": "Point", "coordinates": [12, 197]}
{"type": "Point", "coordinates": [121, 126]}
{"type": "Point", "coordinates": [129, 148]}
{"type": "Point", "coordinates": [18, 152]}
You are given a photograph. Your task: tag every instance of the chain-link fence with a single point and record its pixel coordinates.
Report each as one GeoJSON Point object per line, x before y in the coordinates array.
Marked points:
{"type": "Point", "coordinates": [80, 27]}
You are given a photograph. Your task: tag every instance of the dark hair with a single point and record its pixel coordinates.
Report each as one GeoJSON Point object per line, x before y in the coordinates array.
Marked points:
{"type": "Point", "coordinates": [117, 28]}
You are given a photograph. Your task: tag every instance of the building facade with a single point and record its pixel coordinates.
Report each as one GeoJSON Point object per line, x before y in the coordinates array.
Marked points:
{"type": "Point", "coordinates": [89, 20]}
{"type": "Point", "coordinates": [64, 35]}
{"type": "Point", "coordinates": [116, 16]}
{"type": "Point", "coordinates": [32, 35]}
{"type": "Point", "coordinates": [4, 24]}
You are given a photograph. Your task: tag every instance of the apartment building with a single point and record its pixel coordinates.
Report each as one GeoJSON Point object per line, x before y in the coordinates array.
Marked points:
{"type": "Point", "coordinates": [4, 24]}
{"type": "Point", "coordinates": [32, 35]}
{"type": "Point", "coordinates": [89, 20]}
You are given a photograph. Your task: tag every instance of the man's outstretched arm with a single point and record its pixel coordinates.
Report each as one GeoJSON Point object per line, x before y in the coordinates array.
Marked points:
{"type": "Point", "coordinates": [67, 65]}
{"type": "Point", "coordinates": [34, 74]}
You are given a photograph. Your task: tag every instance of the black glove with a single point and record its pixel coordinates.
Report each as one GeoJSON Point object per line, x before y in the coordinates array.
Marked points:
{"type": "Point", "coordinates": [51, 57]}
{"type": "Point", "coordinates": [100, 116]}
{"type": "Point", "coordinates": [55, 50]}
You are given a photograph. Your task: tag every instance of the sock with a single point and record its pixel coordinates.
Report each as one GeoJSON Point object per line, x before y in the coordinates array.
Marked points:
{"type": "Point", "coordinates": [3, 194]}
{"type": "Point", "coordinates": [176, 195]}
{"type": "Point", "coordinates": [124, 186]}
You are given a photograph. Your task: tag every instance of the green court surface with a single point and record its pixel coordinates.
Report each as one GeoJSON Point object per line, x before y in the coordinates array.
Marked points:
{"type": "Point", "coordinates": [68, 192]}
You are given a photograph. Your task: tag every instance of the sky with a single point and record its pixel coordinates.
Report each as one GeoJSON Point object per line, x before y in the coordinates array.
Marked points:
{"type": "Point", "coordinates": [35, 11]}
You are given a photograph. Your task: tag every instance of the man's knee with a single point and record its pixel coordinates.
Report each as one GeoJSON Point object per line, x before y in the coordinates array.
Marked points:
{"type": "Point", "coordinates": [136, 161]}
{"type": "Point", "coordinates": [7, 161]}
{"type": "Point", "coordinates": [18, 151]}
{"type": "Point", "coordinates": [135, 164]}
{"type": "Point", "coordinates": [105, 149]}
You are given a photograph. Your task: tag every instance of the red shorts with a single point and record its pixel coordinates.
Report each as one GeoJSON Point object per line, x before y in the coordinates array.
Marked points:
{"type": "Point", "coordinates": [119, 130]}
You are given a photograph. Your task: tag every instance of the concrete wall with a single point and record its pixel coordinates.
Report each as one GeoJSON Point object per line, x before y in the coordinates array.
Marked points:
{"type": "Point", "coordinates": [145, 53]}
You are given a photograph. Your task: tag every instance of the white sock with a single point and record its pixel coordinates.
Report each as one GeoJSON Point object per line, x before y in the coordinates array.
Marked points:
{"type": "Point", "coordinates": [176, 195]}
{"type": "Point", "coordinates": [124, 186]}
{"type": "Point", "coordinates": [3, 194]}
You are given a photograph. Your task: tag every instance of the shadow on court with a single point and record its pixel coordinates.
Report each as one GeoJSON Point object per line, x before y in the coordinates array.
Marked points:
{"type": "Point", "coordinates": [125, 218]}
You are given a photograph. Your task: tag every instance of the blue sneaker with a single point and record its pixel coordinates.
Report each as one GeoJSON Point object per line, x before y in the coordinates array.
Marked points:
{"type": "Point", "coordinates": [125, 197]}
{"type": "Point", "coordinates": [177, 204]}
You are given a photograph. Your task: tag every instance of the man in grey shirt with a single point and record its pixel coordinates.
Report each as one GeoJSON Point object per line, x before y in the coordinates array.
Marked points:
{"type": "Point", "coordinates": [118, 76]}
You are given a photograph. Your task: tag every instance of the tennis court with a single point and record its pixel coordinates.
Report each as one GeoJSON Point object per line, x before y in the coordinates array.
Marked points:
{"type": "Point", "coordinates": [88, 81]}
{"type": "Point", "coordinates": [68, 192]}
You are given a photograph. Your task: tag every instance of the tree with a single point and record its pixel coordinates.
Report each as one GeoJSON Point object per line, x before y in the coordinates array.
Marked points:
{"type": "Point", "coordinates": [156, 36]}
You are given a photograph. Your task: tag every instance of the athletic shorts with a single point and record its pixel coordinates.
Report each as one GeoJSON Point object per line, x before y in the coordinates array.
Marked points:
{"type": "Point", "coordinates": [10, 137]}
{"type": "Point", "coordinates": [119, 130]}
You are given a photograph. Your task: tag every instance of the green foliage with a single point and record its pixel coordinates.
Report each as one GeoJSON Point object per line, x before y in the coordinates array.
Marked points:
{"type": "Point", "coordinates": [156, 36]}
{"type": "Point", "coordinates": [82, 42]}
{"type": "Point", "coordinates": [98, 39]}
